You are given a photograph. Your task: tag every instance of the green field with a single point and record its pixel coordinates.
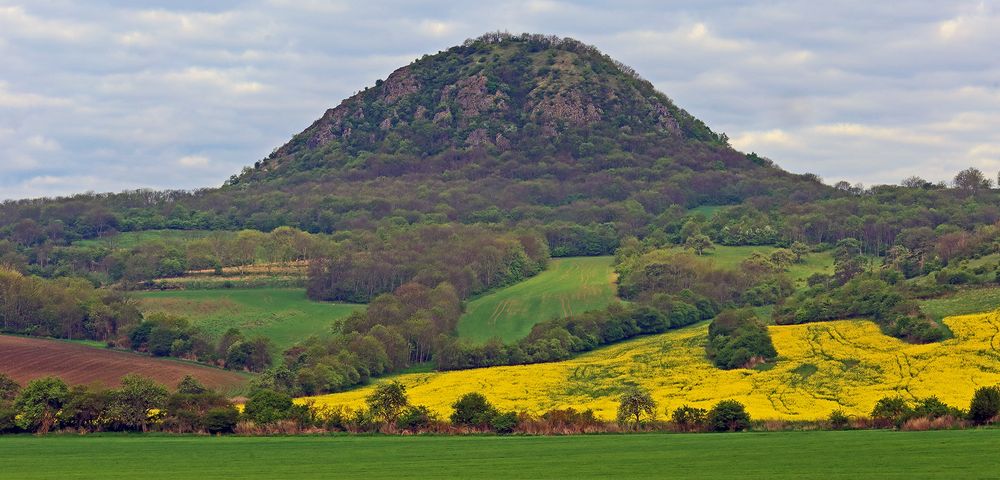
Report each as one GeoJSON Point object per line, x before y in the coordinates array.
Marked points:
{"type": "Point", "coordinates": [963, 302]}
{"type": "Point", "coordinates": [786, 455]}
{"type": "Point", "coordinates": [284, 315]}
{"type": "Point", "coordinates": [570, 285]}
{"type": "Point", "coordinates": [730, 257]}
{"type": "Point", "coordinates": [132, 239]}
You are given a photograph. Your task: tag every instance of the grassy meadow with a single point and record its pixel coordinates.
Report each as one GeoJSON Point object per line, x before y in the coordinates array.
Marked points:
{"type": "Point", "coordinates": [133, 239]}
{"type": "Point", "coordinates": [821, 367]}
{"type": "Point", "coordinates": [963, 302]}
{"type": "Point", "coordinates": [284, 315]}
{"type": "Point", "coordinates": [568, 286]}
{"type": "Point", "coordinates": [853, 455]}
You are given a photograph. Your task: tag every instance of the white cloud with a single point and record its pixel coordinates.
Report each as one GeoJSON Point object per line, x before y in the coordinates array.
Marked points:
{"type": "Point", "coordinates": [436, 28]}
{"type": "Point", "coordinates": [193, 161]}
{"type": "Point", "coordinates": [11, 99]}
{"type": "Point", "coordinates": [757, 141]}
{"type": "Point", "coordinates": [38, 142]}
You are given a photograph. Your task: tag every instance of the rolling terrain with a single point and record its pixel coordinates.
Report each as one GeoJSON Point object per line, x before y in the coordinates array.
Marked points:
{"type": "Point", "coordinates": [821, 367]}
{"type": "Point", "coordinates": [568, 286]}
{"type": "Point", "coordinates": [283, 315]}
{"type": "Point", "coordinates": [25, 359]}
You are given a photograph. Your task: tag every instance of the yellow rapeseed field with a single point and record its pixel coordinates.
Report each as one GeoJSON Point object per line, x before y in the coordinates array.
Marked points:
{"type": "Point", "coordinates": [846, 364]}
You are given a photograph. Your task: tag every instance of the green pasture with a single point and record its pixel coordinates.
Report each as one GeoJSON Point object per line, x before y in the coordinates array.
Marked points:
{"type": "Point", "coordinates": [569, 286]}
{"type": "Point", "coordinates": [284, 315]}
{"type": "Point", "coordinates": [850, 455]}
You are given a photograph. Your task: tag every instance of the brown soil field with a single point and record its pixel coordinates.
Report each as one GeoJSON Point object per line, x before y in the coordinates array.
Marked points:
{"type": "Point", "coordinates": [25, 359]}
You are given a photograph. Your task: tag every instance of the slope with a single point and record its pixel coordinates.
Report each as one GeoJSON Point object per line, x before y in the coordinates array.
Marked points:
{"type": "Point", "coordinates": [821, 367]}
{"type": "Point", "coordinates": [285, 316]}
{"type": "Point", "coordinates": [26, 359]}
{"type": "Point", "coordinates": [569, 285]}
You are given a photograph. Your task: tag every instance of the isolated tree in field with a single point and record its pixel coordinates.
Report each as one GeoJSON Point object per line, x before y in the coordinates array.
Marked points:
{"type": "Point", "coordinates": [39, 402]}
{"type": "Point", "coordinates": [971, 180]}
{"type": "Point", "coordinates": [132, 403]}
{"type": "Point", "coordinates": [699, 243]}
{"type": "Point", "coordinates": [387, 402]}
{"type": "Point", "coordinates": [267, 406]}
{"type": "Point", "coordinates": [191, 386]}
{"type": "Point", "coordinates": [799, 250]}
{"type": "Point", "coordinates": [728, 416]}
{"type": "Point", "coordinates": [985, 405]}
{"type": "Point", "coordinates": [635, 403]}
{"type": "Point", "coordinates": [689, 419]}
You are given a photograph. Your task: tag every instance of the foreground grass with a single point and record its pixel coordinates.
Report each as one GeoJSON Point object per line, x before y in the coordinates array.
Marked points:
{"type": "Point", "coordinates": [568, 286]}
{"type": "Point", "coordinates": [784, 455]}
{"type": "Point", "coordinates": [284, 315]}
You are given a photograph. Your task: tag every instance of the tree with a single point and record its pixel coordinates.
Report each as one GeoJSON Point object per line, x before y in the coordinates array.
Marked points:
{"type": "Point", "coordinates": [728, 416]}
{"type": "Point", "coordinates": [191, 386]}
{"type": "Point", "coordinates": [699, 243]}
{"type": "Point", "coordinates": [799, 250]}
{"type": "Point", "coordinates": [132, 403]}
{"type": "Point", "coordinates": [8, 388]}
{"type": "Point", "coordinates": [473, 410]}
{"type": "Point", "coordinates": [39, 403]}
{"type": "Point", "coordinates": [267, 406]}
{"type": "Point", "coordinates": [633, 404]}
{"type": "Point", "coordinates": [891, 411]}
{"type": "Point", "coordinates": [985, 405]}
{"type": "Point", "coordinates": [387, 402]}
{"type": "Point", "coordinates": [689, 419]}
{"type": "Point", "coordinates": [971, 180]}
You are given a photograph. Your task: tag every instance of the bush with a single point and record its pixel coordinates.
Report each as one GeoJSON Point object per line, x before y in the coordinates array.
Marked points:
{"type": "Point", "coordinates": [221, 419]}
{"type": "Point", "coordinates": [473, 410]}
{"type": "Point", "coordinates": [728, 416]}
{"type": "Point", "coordinates": [839, 420]}
{"type": "Point", "coordinates": [737, 339]}
{"type": "Point", "coordinates": [985, 405]}
{"type": "Point", "coordinates": [689, 419]}
{"type": "Point", "coordinates": [267, 406]}
{"type": "Point", "coordinates": [504, 423]}
{"type": "Point", "coordinates": [891, 411]}
{"type": "Point", "coordinates": [415, 418]}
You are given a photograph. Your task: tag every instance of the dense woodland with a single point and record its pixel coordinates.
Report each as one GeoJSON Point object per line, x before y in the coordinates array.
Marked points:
{"type": "Point", "coordinates": [464, 172]}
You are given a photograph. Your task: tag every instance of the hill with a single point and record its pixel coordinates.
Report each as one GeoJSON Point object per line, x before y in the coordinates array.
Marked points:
{"type": "Point", "coordinates": [26, 359]}
{"type": "Point", "coordinates": [821, 367]}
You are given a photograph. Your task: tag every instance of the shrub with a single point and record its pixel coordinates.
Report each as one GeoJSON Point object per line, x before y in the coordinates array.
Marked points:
{"type": "Point", "coordinates": [839, 420]}
{"type": "Point", "coordinates": [415, 418]}
{"type": "Point", "coordinates": [267, 406]}
{"type": "Point", "coordinates": [473, 410]}
{"type": "Point", "coordinates": [891, 411]}
{"type": "Point", "coordinates": [387, 402]}
{"type": "Point", "coordinates": [689, 419]}
{"type": "Point", "coordinates": [504, 423]}
{"type": "Point", "coordinates": [728, 416]}
{"type": "Point", "coordinates": [985, 405]}
{"type": "Point", "coordinates": [221, 419]}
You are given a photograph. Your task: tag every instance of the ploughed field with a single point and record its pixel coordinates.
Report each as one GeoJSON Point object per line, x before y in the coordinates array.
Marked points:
{"type": "Point", "coordinates": [285, 315]}
{"type": "Point", "coordinates": [853, 455]}
{"type": "Point", "coordinates": [25, 359]}
{"type": "Point", "coordinates": [821, 367]}
{"type": "Point", "coordinates": [569, 286]}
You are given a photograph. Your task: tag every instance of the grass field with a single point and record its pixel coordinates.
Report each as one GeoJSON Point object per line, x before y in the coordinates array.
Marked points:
{"type": "Point", "coordinates": [853, 455]}
{"type": "Point", "coordinates": [821, 367]}
{"type": "Point", "coordinates": [132, 239]}
{"type": "Point", "coordinates": [568, 286]}
{"type": "Point", "coordinates": [962, 302]}
{"type": "Point", "coordinates": [730, 257]}
{"type": "Point", "coordinates": [26, 359]}
{"type": "Point", "coordinates": [285, 316]}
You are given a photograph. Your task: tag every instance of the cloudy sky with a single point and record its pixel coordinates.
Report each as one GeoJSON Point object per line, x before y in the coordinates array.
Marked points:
{"type": "Point", "coordinates": [112, 95]}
